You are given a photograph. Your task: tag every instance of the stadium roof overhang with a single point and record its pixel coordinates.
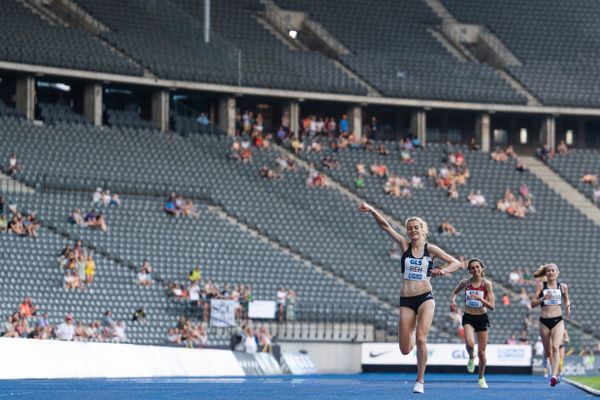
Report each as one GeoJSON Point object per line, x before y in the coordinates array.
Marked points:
{"type": "Point", "coordinates": [288, 94]}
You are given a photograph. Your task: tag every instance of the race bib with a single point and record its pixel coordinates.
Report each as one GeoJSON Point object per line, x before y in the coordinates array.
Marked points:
{"type": "Point", "coordinates": [556, 298]}
{"type": "Point", "coordinates": [415, 269]}
{"type": "Point", "coordinates": [471, 302]}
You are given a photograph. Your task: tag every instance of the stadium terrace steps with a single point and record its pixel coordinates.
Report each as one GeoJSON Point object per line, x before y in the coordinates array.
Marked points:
{"type": "Point", "coordinates": [564, 189]}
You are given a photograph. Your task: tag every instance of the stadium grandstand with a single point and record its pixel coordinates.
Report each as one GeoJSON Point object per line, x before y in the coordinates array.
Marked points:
{"type": "Point", "coordinates": [187, 173]}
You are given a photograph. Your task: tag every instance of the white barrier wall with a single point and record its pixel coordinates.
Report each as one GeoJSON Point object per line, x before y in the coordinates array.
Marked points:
{"type": "Point", "coordinates": [42, 359]}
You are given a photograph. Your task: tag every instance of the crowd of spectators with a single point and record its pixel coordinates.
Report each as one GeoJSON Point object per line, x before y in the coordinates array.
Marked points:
{"type": "Point", "coordinates": [92, 219]}
{"type": "Point", "coordinates": [78, 265]}
{"type": "Point", "coordinates": [188, 334]}
{"type": "Point", "coordinates": [103, 198]}
{"type": "Point", "coordinates": [30, 322]}
{"type": "Point", "coordinates": [178, 206]}
{"type": "Point", "coordinates": [517, 206]}
{"type": "Point", "coordinates": [16, 222]}
{"type": "Point", "coordinates": [198, 294]}
{"type": "Point", "coordinates": [249, 340]}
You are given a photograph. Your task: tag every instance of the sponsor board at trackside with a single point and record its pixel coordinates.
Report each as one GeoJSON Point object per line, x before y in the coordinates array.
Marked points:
{"type": "Point", "coordinates": [49, 359]}
{"type": "Point", "coordinates": [445, 354]}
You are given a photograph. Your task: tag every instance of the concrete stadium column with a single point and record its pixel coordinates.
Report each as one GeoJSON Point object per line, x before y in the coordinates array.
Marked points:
{"type": "Point", "coordinates": [418, 125]}
{"type": "Point", "coordinates": [482, 132]}
{"type": "Point", "coordinates": [92, 103]}
{"type": "Point", "coordinates": [160, 109]}
{"type": "Point", "coordinates": [548, 132]}
{"type": "Point", "coordinates": [25, 98]}
{"type": "Point", "coordinates": [227, 114]}
{"type": "Point", "coordinates": [292, 108]}
{"type": "Point", "coordinates": [355, 123]}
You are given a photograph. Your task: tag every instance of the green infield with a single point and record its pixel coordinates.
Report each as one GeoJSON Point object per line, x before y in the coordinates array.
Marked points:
{"type": "Point", "coordinates": [591, 381]}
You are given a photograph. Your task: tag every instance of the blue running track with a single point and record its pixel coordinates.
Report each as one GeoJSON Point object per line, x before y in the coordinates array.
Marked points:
{"type": "Point", "coordinates": [334, 387]}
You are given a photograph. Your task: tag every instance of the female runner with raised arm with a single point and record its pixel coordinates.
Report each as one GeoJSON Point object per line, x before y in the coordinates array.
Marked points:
{"type": "Point", "coordinates": [417, 303]}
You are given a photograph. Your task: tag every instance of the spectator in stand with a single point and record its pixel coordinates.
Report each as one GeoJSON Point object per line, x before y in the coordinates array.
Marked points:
{"type": "Point", "coordinates": [76, 217]}
{"type": "Point", "coordinates": [90, 270]}
{"type": "Point", "coordinates": [27, 309]}
{"type": "Point", "coordinates": [523, 339]}
{"type": "Point", "coordinates": [524, 298]}
{"type": "Point", "coordinates": [382, 151]}
{"type": "Point", "coordinates": [453, 192]}
{"type": "Point", "coordinates": [266, 172]}
{"type": "Point", "coordinates": [330, 162]}
{"type": "Point", "coordinates": [98, 222]}
{"type": "Point", "coordinates": [359, 182]}
{"type": "Point", "coordinates": [203, 119]}
{"type": "Point", "coordinates": [80, 332]}
{"type": "Point", "coordinates": [170, 207]}
{"type": "Point", "coordinates": [139, 315]}
{"type": "Point", "coordinates": [97, 197]}
{"type": "Point", "coordinates": [72, 280]}
{"type": "Point", "coordinates": [250, 342]}
{"type": "Point", "coordinates": [446, 228]}
{"type": "Point", "coordinates": [115, 200]}
{"type": "Point", "coordinates": [476, 198]}
{"type": "Point", "coordinates": [189, 209]}
{"type": "Point", "coordinates": [473, 146]}
{"type": "Point", "coordinates": [380, 170]}
{"type": "Point", "coordinates": [290, 311]}
{"type": "Point", "coordinates": [246, 151]}
{"type": "Point", "coordinates": [3, 223]}
{"type": "Point", "coordinates": [80, 265]}
{"type": "Point", "coordinates": [590, 178]}
{"type": "Point", "coordinates": [13, 165]}
{"type": "Point", "coordinates": [343, 124]}
{"type": "Point", "coordinates": [16, 225]}
{"type": "Point", "coordinates": [173, 336]}
{"type": "Point", "coordinates": [373, 128]}
{"type": "Point", "coordinates": [265, 340]}
{"type": "Point", "coordinates": [521, 165]}
{"type": "Point", "coordinates": [66, 330]}
{"type": "Point", "coordinates": [505, 300]}
{"type": "Point", "coordinates": [144, 277]}
{"type": "Point", "coordinates": [510, 151]}
{"type": "Point", "coordinates": [512, 339]}
{"type": "Point", "coordinates": [499, 156]}
{"type": "Point", "coordinates": [106, 198]}
{"type": "Point", "coordinates": [281, 301]}
{"type": "Point", "coordinates": [107, 319]}
{"type": "Point", "coordinates": [119, 335]}
{"type": "Point", "coordinates": [514, 277]}
{"type": "Point", "coordinates": [195, 274]}
{"type": "Point", "coordinates": [544, 153]}
{"type": "Point", "coordinates": [562, 148]}
{"type": "Point", "coordinates": [416, 182]}
{"type": "Point", "coordinates": [31, 224]}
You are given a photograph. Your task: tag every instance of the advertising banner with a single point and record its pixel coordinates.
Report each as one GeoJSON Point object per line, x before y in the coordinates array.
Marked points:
{"type": "Point", "coordinates": [261, 309]}
{"type": "Point", "coordinates": [222, 313]}
{"type": "Point", "coordinates": [446, 355]}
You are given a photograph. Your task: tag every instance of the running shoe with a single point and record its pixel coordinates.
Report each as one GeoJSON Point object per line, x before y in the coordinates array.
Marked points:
{"type": "Point", "coordinates": [553, 381]}
{"type": "Point", "coordinates": [419, 387]}
{"type": "Point", "coordinates": [471, 365]}
{"type": "Point", "coordinates": [483, 383]}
